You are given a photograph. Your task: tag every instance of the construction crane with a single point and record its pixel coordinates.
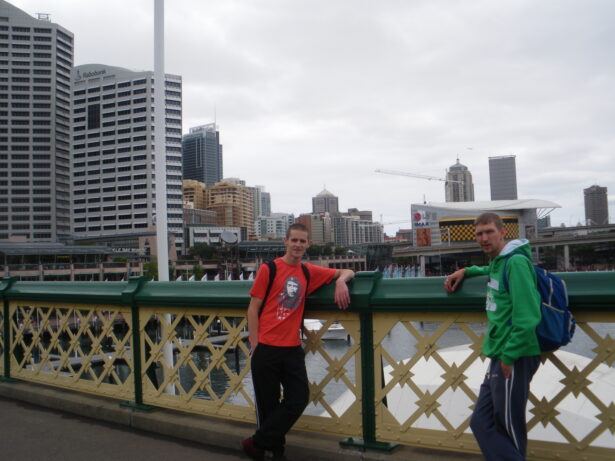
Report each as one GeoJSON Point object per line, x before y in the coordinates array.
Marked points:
{"type": "Point", "coordinates": [420, 176]}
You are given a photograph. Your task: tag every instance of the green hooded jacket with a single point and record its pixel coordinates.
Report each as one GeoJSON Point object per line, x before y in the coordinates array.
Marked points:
{"type": "Point", "coordinates": [512, 315]}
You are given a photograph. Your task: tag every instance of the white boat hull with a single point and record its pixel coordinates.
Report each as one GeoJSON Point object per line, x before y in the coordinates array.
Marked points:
{"type": "Point", "coordinates": [336, 330]}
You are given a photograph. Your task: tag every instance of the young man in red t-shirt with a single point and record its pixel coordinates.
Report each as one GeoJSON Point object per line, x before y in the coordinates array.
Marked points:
{"type": "Point", "coordinates": [277, 357]}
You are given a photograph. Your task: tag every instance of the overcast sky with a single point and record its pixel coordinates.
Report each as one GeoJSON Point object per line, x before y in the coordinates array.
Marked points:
{"type": "Point", "coordinates": [314, 93]}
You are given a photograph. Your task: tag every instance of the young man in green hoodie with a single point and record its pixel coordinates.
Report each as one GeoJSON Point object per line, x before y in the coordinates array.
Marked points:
{"type": "Point", "coordinates": [498, 420]}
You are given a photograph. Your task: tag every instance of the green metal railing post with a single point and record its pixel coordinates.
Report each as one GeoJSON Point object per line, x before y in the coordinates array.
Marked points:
{"type": "Point", "coordinates": [128, 297]}
{"type": "Point", "coordinates": [5, 285]}
{"type": "Point", "coordinates": [363, 286]}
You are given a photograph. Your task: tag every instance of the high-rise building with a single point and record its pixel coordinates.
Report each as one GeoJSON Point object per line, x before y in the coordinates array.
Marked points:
{"type": "Point", "coordinates": [36, 59]}
{"type": "Point", "coordinates": [273, 227]}
{"type": "Point", "coordinates": [195, 193]}
{"type": "Point", "coordinates": [325, 201]}
{"type": "Point", "coordinates": [265, 203]}
{"type": "Point", "coordinates": [351, 230]}
{"type": "Point", "coordinates": [365, 215]}
{"type": "Point", "coordinates": [202, 154]}
{"type": "Point", "coordinates": [262, 201]}
{"type": "Point", "coordinates": [543, 223]}
{"type": "Point", "coordinates": [459, 186]}
{"type": "Point", "coordinates": [596, 206]}
{"type": "Point", "coordinates": [113, 152]}
{"type": "Point", "coordinates": [233, 203]}
{"type": "Point", "coordinates": [319, 227]}
{"type": "Point", "coordinates": [503, 177]}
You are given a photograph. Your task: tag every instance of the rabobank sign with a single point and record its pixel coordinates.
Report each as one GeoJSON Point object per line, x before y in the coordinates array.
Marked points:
{"type": "Point", "coordinates": [90, 74]}
{"type": "Point", "coordinates": [94, 73]}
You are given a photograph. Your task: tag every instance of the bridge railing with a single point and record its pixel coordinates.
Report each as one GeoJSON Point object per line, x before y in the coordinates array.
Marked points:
{"type": "Point", "coordinates": [405, 367]}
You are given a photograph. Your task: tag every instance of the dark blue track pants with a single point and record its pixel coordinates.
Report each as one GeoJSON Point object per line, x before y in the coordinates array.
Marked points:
{"type": "Point", "coordinates": [498, 421]}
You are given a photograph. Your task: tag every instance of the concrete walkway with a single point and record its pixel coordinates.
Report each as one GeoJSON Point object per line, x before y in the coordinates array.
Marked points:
{"type": "Point", "coordinates": [31, 433]}
{"type": "Point", "coordinates": [50, 424]}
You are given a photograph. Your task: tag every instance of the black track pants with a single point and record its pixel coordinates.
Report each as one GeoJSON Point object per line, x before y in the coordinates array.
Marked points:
{"type": "Point", "coordinates": [273, 367]}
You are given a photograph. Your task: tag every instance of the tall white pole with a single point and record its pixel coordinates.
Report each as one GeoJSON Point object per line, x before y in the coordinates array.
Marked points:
{"type": "Point", "coordinates": [162, 244]}
{"type": "Point", "coordinates": [160, 156]}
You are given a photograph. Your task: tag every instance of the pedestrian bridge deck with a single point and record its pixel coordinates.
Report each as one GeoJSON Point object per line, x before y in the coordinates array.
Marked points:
{"type": "Point", "coordinates": [408, 373]}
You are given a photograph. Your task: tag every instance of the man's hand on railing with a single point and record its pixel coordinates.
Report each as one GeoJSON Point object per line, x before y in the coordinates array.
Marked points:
{"type": "Point", "coordinates": [451, 283]}
{"type": "Point", "coordinates": [342, 295]}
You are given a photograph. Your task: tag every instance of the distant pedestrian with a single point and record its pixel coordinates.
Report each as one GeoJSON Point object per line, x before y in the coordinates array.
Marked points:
{"type": "Point", "coordinates": [277, 359]}
{"type": "Point", "coordinates": [498, 421]}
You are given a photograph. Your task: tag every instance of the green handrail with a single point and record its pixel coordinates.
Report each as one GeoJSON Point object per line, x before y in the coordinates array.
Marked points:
{"type": "Point", "coordinates": [594, 290]}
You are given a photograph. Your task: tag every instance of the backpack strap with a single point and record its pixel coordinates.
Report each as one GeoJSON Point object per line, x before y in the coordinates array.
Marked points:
{"type": "Point", "coordinates": [272, 273]}
{"type": "Point", "coordinates": [306, 274]}
{"type": "Point", "coordinates": [505, 275]}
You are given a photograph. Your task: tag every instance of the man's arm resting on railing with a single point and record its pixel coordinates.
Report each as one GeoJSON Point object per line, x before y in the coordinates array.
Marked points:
{"type": "Point", "coordinates": [452, 282]}
{"type": "Point", "coordinates": [253, 310]}
{"type": "Point", "coordinates": [342, 295]}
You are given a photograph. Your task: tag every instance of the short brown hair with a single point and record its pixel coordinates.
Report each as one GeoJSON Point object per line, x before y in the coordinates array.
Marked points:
{"type": "Point", "coordinates": [296, 226]}
{"type": "Point", "coordinates": [489, 218]}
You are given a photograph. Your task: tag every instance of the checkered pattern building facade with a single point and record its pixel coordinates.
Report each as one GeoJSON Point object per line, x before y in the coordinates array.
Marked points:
{"type": "Point", "coordinates": [462, 229]}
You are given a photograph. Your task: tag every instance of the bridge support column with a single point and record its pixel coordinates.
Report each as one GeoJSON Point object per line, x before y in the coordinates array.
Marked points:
{"type": "Point", "coordinates": [128, 297]}
{"type": "Point", "coordinates": [368, 374]}
{"type": "Point", "coordinates": [5, 285]}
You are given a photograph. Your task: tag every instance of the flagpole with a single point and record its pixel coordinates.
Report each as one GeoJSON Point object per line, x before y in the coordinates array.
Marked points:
{"type": "Point", "coordinates": [160, 160]}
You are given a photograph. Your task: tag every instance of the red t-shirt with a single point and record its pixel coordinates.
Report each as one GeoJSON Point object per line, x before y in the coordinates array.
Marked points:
{"type": "Point", "coordinates": [280, 319]}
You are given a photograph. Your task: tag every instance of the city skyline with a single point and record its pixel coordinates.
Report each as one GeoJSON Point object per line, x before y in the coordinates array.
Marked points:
{"type": "Point", "coordinates": [512, 84]}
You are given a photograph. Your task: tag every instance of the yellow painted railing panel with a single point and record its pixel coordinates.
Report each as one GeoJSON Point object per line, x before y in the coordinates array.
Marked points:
{"type": "Point", "coordinates": [334, 371]}
{"type": "Point", "coordinates": [210, 373]}
{"type": "Point", "coordinates": [81, 347]}
{"type": "Point", "coordinates": [432, 370]}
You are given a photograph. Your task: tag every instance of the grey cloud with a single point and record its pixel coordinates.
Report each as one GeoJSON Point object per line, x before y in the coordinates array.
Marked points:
{"type": "Point", "coordinates": [314, 92]}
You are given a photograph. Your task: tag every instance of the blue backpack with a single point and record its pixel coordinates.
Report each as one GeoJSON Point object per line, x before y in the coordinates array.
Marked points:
{"type": "Point", "coordinates": [557, 324]}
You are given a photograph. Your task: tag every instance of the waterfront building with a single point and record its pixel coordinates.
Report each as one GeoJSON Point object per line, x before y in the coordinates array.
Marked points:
{"type": "Point", "coordinates": [459, 186]}
{"type": "Point", "coordinates": [113, 172]}
{"type": "Point", "coordinates": [273, 226]}
{"type": "Point", "coordinates": [53, 261]}
{"type": "Point", "coordinates": [36, 58]}
{"type": "Point", "coordinates": [503, 177]}
{"type": "Point", "coordinates": [210, 235]}
{"type": "Point", "coordinates": [202, 154]}
{"type": "Point", "coordinates": [451, 223]}
{"type": "Point", "coordinates": [325, 201]}
{"type": "Point", "coordinates": [596, 205]}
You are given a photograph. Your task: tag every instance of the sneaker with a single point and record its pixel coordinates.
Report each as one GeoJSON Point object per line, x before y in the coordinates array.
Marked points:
{"type": "Point", "coordinates": [255, 453]}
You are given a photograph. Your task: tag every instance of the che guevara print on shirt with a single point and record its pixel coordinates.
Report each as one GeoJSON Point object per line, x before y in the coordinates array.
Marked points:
{"type": "Point", "coordinates": [289, 298]}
